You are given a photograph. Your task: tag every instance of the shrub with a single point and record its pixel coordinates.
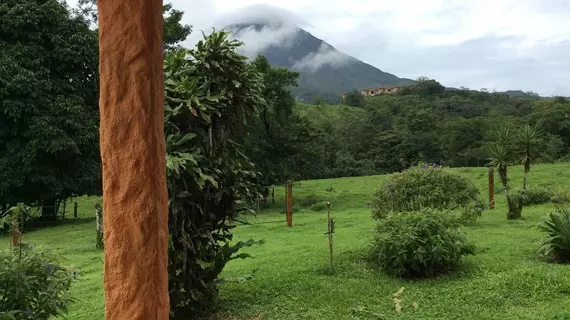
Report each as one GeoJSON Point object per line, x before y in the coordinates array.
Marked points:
{"type": "Point", "coordinates": [534, 195]}
{"type": "Point", "coordinates": [33, 285]}
{"type": "Point", "coordinates": [308, 200]}
{"type": "Point", "coordinates": [556, 246]}
{"type": "Point", "coordinates": [319, 206]}
{"type": "Point", "coordinates": [560, 197]}
{"type": "Point", "coordinates": [419, 244]}
{"type": "Point", "coordinates": [470, 213]}
{"type": "Point", "coordinates": [423, 187]}
{"type": "Point", "coordinates": [210, 93]}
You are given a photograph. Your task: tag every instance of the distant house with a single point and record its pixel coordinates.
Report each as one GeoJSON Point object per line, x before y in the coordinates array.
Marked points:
{"type": "Point", "coordinates": [376, 91]}
{"type": "Point", "coordinates": [379, 90]}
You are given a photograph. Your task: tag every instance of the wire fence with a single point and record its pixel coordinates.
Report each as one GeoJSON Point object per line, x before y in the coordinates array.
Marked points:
{"type": "Point", "coordinates": [76, 210]}
{"type": "Point", "coordinates": [262, 207]}
{"type": "Point", "coordinates": [38, 217]}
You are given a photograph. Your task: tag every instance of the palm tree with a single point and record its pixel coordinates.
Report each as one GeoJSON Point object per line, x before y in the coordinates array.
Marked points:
{"type": "Point", "coordinates": [500, 153]}
{"type": "Point", "coordinates": [528, 137]}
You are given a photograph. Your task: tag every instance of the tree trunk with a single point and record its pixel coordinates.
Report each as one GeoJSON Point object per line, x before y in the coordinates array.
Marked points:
{"type": "Point", "coordinates": [63, 209]}
{"type": "Point", "coordinates": [135, 198]}
{"type": "Point", "coordinates": [99, 243]}
{"type": "Point", "coordinates": [50, 209]}
{"type": "Point", "coordinates": [273, 195]}
{"type": "Point", "coordinates": [265, 195]}
{"type": "Point", "coordinates": [524, 185]}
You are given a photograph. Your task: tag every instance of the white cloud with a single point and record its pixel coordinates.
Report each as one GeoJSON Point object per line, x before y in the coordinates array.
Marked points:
{"type": "Point", "coordinates": [498, 44]}
{"type": "Point", "coordinates": [256, 41]}
{"type": "Point", "coordinates": [326, 55]}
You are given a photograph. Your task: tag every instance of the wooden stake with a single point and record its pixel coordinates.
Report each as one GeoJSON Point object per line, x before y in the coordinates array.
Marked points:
{"type": "Point", "coordinates": [331, 230]}
{"type": "Point", "coordinates": [15, 228]}
{"type": "Point", "coordinates": [289, 190]}
{"type": "Point", "coordinates": [491, 188]}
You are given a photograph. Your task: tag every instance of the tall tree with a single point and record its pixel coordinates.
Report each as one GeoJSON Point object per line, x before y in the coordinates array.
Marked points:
{"type": "Point", "coordinates": [354, 98]}
{"type": "Point", "coordinates": [211, 92]}
{"type": "Point", "coordinates": [48, 96]}
{"type": "Point", "coordinates": [269, 140]}
{"type": "Point", "coordinates": [175, 32]}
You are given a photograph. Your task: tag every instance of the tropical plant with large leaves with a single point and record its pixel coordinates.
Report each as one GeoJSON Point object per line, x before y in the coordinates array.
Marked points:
{"type": "Point", "coordinates": [501, 153]}
{"type": "Point", "coordinates": [556, 246]}
{"type": "Point", "coordinates": [211, 92]}
{"type": "Point", "coordinates": [527, 139]}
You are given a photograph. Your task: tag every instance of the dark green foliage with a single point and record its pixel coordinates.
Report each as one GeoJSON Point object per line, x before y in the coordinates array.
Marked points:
{"type": "Point", "coordinates": [33, 285]}
{"type": "Point", "coordinates": [419, 244]}
{"type": "Point", "coordinates": [392, 132]}
{"type": "Point", "coordinates": [49, 147]}
{"type": "Point", "coordinates": [556, 246]}
{"type": "Point", "coordinates": [423, 87]}
{"type": "Point", "coordinates": [354, 99]}
{"type": "Point", "coordinates": [272, 131]}
{"type": "Point", "coordinates": [211, 91]}
{"type": "Point", "coordinates": [533, 195]}
{"type": "Point", "coordinates": [174, 31]}
{"type": "Point", "coordinates": [423, 186]}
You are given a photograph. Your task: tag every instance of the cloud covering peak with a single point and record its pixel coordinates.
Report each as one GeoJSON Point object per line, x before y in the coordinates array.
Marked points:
{"type": "Point", "coordinates": [501, 45]}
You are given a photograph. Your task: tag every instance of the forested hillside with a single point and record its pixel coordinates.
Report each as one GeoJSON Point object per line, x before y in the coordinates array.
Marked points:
{"type": "Point", "coordinates": [391, 132]}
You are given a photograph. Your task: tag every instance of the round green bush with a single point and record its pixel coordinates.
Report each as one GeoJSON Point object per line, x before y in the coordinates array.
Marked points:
{"type": "Point", "coordinates": [419, 244]}
{"type": "Point", "coordinates": [424, 186]}
{"type": "Point", "coordinates": [33, 285]}
{"type": "Point", "coordinates": [534, 195]}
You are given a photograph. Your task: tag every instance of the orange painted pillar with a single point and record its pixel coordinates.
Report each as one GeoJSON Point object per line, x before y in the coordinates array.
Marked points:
{"type": "Point", "coordinates": [135, 197]}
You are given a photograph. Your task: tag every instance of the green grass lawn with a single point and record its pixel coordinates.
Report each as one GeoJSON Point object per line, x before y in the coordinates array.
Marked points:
{"type": "Point", "coordinates": [502, 281]}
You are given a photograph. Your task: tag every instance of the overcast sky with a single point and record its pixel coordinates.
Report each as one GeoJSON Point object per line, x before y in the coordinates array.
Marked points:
{"type": "Point", "coordinates": [494, 44]}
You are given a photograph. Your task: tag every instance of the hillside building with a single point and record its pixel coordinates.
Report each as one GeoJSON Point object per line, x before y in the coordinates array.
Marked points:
{"type": "Point", "coordinates": [376, 91]}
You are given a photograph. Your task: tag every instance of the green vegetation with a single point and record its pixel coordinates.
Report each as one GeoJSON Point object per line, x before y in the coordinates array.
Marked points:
{"type": "Point", "coordinates": [556, 246]}
{"type": "Point", "coordinates": [419, 244]}
{"type": "Point", "coordinates": [49, 143]}
{"type": "Point", "coordinates": [33, 284]}
{"type": "Point", "coordinates": [393, 132]}
{"type": "Point", "coordinates": [233, 130]}
{"type": "Point", "coordinates": [206, 172]}
{"type": "Point", "coordinates": [504, 280]}
{"type": "Point", "coordinates": [424, 187]}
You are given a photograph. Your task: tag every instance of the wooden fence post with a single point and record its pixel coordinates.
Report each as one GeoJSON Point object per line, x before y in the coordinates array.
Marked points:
{"type": "Point", "coordinates": [289, 191]}
{"type": "Point", "coordinates": [15, 229]}
{"type": "Point", "coordinates": [491, 188]}
{"type": "Point", "coordinates": [75, 205]}
{"type": "Point", "coordinates": [330, 233]}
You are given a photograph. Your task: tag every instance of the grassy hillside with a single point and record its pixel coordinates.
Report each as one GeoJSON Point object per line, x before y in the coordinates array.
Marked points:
{"type": "Point", "coordinates": [502, 281]}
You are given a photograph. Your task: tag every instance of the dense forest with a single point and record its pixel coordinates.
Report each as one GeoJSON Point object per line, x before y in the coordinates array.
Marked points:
{"type": "Point", "coordinates": [426, 123]}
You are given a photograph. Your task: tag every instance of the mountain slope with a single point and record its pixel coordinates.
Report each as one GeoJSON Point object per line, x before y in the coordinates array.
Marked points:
{"type": "Point", "coordinates": [324, 70]}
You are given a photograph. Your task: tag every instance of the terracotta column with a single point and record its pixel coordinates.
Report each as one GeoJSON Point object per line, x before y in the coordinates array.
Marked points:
{"type": "Point", "coordinates": [133, 152]}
